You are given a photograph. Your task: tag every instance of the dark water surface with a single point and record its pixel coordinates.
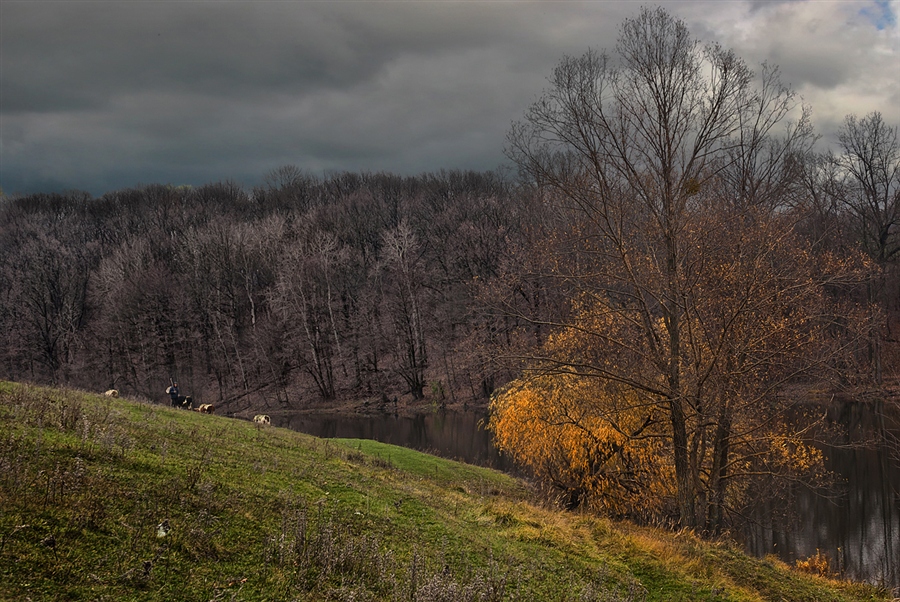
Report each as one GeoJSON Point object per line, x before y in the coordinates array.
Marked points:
{"type": "Point", "coordinates": [857, 525]}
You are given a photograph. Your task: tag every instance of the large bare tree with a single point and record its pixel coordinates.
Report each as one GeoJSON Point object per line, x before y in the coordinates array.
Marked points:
{"type": "Point", "coordinates": [673, 164]}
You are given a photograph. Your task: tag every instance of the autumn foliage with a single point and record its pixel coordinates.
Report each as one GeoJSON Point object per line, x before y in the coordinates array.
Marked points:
{"type": "Point", "coordinates": [763, 326]}
{"type": "Point", "coordinates": [595, 447]}
{"type": "Point", "coordinates": [675, 378]}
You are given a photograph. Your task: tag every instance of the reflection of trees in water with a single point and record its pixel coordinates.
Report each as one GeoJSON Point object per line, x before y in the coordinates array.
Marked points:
{"type": "Point", "coordinates": [857, 526]}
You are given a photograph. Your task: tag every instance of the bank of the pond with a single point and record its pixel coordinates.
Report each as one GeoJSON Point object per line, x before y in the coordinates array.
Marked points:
{"type": "Point", "coordinates": [453, 435]}
{"type": "Point", "coordinates": [856, 525]}
{"type": "Point", "coordinates": [111, 499]}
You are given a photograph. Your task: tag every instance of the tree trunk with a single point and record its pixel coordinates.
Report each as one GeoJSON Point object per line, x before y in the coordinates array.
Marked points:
{"type": "Point", "coordinates": [719, 472]}
{"type": "Point", "coordinates": [683, 480]}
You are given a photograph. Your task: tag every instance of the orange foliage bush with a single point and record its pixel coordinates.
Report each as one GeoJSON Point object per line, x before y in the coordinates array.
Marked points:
{"type": "Point", "coordinates": [593, 446]}
{"type": "Point", "coordinates": [817, 564]}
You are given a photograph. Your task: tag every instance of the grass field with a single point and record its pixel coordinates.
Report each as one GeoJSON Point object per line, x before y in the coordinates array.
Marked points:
{"type": "Point", "coordinates": [112, 499]}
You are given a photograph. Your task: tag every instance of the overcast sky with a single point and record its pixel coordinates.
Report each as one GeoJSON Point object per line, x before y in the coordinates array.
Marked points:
{"type": "Point", "coordinates": [104, 95]}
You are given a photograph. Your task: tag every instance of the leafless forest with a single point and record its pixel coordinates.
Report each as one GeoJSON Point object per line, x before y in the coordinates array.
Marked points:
{"type": "Point", "coordinates": [355, 286]}
{"type": "Point", "coordinates": [361, 287]}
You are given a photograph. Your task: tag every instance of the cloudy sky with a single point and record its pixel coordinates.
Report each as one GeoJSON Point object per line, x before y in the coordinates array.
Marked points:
{"type": "Point", "coordinates": [101, 95]}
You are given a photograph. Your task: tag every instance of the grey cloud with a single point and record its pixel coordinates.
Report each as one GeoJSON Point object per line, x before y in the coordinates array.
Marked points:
{"type": "Point", "coordinates": [99, 95]}
{"type": "Point", "coordinates": [94, 50]}
{"type": "Point", "coordinates": [193, 48]}
{"type": "Point", "coordinates": [157, 81]}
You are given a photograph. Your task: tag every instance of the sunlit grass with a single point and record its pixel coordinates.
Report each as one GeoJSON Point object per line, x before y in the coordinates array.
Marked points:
{"type": "Point", "coordinates": [113, 499]}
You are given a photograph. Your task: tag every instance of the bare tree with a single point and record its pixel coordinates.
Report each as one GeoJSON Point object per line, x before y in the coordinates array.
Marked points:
{"type": "Point", "coordinates": [307, 297]}
{"type": "Point", "coordinates": [870, 166]}
{"type": "Point", "coordinates": [226, 278]}
{"type": "Point", "coordinates": [764, 163]}
{"type": "Point", "coordinates": [286, 187]}
{"type": "Point", "coordinates": [650, 155]}
{"type": "Point", "coordinates": [139, 331]}
{"type": "Point", "coordinates": [405, 301]}
{"type": "Point", "coordinates": [865, 180]}
{"type": "Point", "coordinates": [49, 302]}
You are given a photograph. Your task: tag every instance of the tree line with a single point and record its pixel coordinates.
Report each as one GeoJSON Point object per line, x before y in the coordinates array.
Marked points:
{"type": "Point", "coordinates": [655, 304]}
{"type": "Point", "coordinates": [353, 286]}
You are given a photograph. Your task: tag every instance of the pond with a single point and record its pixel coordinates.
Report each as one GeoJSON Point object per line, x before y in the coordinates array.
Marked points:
{"type": "Point", "coordinates": [857, 525]}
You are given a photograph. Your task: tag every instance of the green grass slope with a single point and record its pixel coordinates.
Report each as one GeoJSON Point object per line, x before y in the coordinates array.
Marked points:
{"type": "Point", "coordinates": [111, 499]}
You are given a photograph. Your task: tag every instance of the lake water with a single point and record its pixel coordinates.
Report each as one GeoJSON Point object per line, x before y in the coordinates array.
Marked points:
{"type": "Point", "coordinates": [857, 525]}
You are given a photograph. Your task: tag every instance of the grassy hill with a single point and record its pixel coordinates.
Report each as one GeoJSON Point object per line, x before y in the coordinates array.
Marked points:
{"type": "Point", "coordinates": [112, 499]}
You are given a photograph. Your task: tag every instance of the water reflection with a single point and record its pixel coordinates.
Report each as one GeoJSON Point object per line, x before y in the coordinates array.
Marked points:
{"type": "Point", "coordinates": [857, 526]}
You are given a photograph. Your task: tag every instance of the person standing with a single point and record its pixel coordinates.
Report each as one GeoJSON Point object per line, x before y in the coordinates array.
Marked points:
{"type": "Point", "coordinates": [173, 393]}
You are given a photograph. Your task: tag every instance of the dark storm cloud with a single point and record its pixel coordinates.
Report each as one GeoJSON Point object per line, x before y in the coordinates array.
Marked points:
{"type": "Point", "coordinates": [240, 87]}
{"type": "Point", "coordinates": [100, 95]}
{"type": "Point", "coordinates": [90, 52]}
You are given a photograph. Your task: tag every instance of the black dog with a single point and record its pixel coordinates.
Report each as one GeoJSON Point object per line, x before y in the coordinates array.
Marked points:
{"type": "Point", "coordinates": [182, 401]}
